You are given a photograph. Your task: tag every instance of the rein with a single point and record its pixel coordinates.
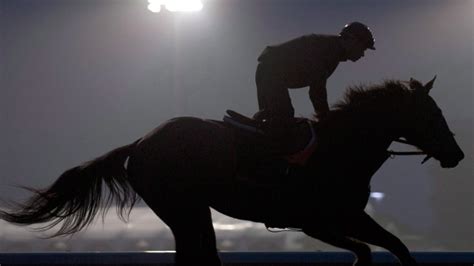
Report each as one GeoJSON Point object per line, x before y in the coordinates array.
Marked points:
{"type": "Point", "coordinates": [395, 153]}
{"type": "Point", "coordinates": [405, 152]}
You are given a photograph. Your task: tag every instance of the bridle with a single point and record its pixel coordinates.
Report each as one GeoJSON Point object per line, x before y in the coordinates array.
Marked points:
{"type": "Point", "coordinates": [403, 153]}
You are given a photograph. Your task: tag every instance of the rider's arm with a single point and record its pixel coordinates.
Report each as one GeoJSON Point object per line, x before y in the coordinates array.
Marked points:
{"type": "Point", "coordinates": [319, 98]}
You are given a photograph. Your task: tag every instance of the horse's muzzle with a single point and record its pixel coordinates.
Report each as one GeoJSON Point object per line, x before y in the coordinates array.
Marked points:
{"type": "Point", "coordinates": [452, 160]}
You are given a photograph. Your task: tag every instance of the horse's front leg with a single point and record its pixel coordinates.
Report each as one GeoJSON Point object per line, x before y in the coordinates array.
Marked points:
{"type": "Point", "coordinates": [364, 228]}
{"type": "Point", "coordinates": [331, 236]}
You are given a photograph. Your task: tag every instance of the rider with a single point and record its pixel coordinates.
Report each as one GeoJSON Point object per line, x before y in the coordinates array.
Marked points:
{"type": "Point", "coordinates": [305, 61]}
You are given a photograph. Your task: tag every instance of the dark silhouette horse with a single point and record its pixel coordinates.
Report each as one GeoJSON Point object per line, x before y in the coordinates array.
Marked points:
{"type": "Point", "coordinates": [187, 165]}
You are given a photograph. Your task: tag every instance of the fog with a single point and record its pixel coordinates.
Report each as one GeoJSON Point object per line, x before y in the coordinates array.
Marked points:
{"type": "Point", "coordinates": [78, 78]}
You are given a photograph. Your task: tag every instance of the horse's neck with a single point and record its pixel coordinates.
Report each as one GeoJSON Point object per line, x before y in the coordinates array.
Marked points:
{"type": "Point", "coordinates": [362, 131]}
{"type": "Point", "coordinates": [377, 128]}
{"type": "Point", "coordinates": [362, 141]}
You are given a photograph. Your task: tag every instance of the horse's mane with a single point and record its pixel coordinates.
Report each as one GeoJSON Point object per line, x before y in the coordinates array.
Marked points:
{"type": "Point", "coordinates": [372, 97]}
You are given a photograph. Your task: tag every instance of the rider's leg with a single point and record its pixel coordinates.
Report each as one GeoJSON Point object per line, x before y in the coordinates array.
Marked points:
{"type": "Point", "coordinates": [273, 95]}
{"type": "Point", "coordinates": [275, 107]}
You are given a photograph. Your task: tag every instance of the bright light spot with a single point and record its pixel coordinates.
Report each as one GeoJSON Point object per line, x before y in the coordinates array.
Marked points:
{"type": "Point", "coordinates": [175, 5]}
{"type": "Point", "coordinates": [153, 7]}
{"type": "Point", "coordinates": [232, 227]}
{"type": "Point", "coordinates": [378, 196]}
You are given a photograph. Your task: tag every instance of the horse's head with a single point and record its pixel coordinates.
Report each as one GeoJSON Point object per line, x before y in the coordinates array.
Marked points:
{"type": "Point", "coordinates": [428, 129]}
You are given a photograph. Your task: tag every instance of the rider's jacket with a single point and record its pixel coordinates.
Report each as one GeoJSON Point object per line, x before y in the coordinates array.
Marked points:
{"type": "Point", "coordinates": [302, 60]}
{"type": "Point", "coordinates": [305, 61]}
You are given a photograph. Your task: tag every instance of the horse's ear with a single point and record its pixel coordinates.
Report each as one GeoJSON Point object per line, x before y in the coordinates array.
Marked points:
{"type": "Point", "coordinates": [428, 86]}
{"type": "Point", "coordinates": [415, 84]}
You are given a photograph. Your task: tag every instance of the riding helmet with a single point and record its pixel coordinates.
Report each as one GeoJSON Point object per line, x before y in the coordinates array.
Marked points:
{"type": "Point", "coordinates": [359, 31]}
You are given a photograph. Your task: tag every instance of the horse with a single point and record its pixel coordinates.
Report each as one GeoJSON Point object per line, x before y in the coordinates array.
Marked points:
{"type": "Point", "coordinates": [188, 165]}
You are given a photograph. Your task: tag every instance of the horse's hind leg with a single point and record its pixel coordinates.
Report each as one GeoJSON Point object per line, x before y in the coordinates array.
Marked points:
{"type": "Point", "coordinates": [192, 228]}
{"type": "Point", "coordinates": [334, 238]}
{"type": "Point", "coordinates": [194, 237]}
{"type": "Point", "coordinates": [188, 218]}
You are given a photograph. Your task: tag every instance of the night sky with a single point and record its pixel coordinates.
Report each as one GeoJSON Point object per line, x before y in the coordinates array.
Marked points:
{"type": "Point", "coordinates": [79, 78]}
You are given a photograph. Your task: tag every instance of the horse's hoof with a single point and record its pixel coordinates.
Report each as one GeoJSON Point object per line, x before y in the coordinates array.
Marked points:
{"type": "Point", "coordinates": [362, 262]}
{"type": "Point", "coordinates": [411, 262]}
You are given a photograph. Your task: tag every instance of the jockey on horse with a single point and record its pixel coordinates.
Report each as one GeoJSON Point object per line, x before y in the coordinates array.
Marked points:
{"type": "Point", "coordinates": [305, 61]}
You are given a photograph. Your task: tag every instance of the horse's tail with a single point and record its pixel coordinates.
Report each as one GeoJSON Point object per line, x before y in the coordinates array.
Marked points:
{"type": "Point", "coordinates": [75, 198]}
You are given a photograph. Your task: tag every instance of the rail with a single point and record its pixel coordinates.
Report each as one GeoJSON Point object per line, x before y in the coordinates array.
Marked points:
{"type": "Point", "coordinates": [229, 258]}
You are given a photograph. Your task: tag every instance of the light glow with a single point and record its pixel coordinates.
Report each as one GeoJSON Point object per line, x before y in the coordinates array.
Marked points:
{"type": "Point", "coordinates": [378, 196]}
{"type": "Point", "coordinates": [175, 5]}
{"type": "Point", "coordinates": [232, 226]}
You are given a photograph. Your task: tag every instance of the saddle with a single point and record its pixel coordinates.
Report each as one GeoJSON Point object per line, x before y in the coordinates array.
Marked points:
{"type": "Point", "coordinates": [253, 142]}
